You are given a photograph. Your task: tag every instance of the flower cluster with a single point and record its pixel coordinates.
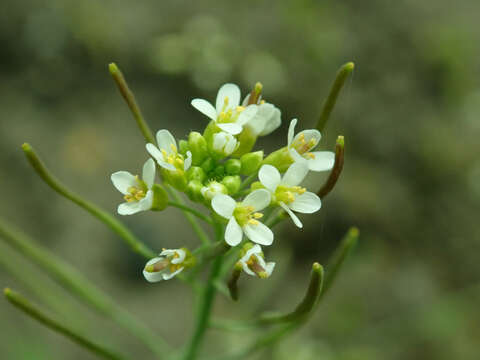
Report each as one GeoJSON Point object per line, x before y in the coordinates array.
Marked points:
{"type": "Point", "coordinates": [243, 190]}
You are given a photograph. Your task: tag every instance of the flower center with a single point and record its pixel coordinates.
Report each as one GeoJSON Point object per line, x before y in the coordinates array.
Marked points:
{"type": "Point", "coordinates": [173, 157]}
{"type": "Point", "coordinates": [136, 193]}
{"type": "Point", "coordinates": [303, 146]}
{"type": "Point", "coordinates": [230, 115]}
{"type": "Point", "coordinates": [254, 265]}
{"type": "Point", "coordinates": [246, 215]}
{"type": "Point", "coordinates": [288, 194]}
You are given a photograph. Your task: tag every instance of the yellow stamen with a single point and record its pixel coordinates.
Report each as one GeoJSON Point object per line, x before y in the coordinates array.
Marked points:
{"type": "Point", "coordinates": [257, 215]}
{"type": "Point", "coordinates": [173, 147]}
{"type": "Point", "coordinates": [253, 222]}
{"type": "Point", "coordinates": [310, 155]}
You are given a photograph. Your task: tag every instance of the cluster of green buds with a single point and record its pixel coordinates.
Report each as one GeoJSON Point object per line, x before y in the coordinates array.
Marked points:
{"type": "Point", "coordinates": [221, 169]}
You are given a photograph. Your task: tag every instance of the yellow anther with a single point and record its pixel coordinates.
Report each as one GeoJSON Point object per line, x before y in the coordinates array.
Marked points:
{"type": "Point", "coordinates": [164, 153]}
{"type": "Point", "coordinates": [179, 162]}
{"type": "Point", "coordinates": [257, 215]}
{"type": "Point", "coordinates": [225, 101]}
{"type": "Point", "coordinates": [240, 108]}
{"type": "Point", "coordinates": [170, 160]}
{"type": "Point", "coordinates": [173, 147]}
{"type": "Point", "coordinates": [290, 196]}
{"type": "Point", "coordinates": [262, 102]}
{"type": "Point", "coordinates": [310, 155]}
{"type": "Point", "coordinates": [253, 222]}
{"type": "Point", "coordinates": [176, 256]}
{"type": "Point", "coordinates": [249, 208]}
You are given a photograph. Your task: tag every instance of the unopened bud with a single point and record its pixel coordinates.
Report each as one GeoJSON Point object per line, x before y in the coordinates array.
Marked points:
{"type": "Point", "coordinates": [251, 162]}
{"type": "Point", "coordinates": [213, 189]}
{"type": "Point", "coordinates": [208, 165]}
{"type": "Point", "coordinates": [194, 190]}
{"type": "Point", "coordinates": [233, 166]}
{"type": "Point", "coordinates": [196, 173]}
{"type": "Point", "coordinates": [183, 147]}
{"type": "Point", "coordinates": [198, 146]}
{"type": "Point", "coordinates": [232, 183]}
{"type": "Point", "coordinates": [160, 198]}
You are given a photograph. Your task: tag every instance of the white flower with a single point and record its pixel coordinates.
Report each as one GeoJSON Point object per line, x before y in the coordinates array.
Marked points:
{"type": "Point", "coordinates": [267, 119]}
{"type": "Point", "coordinates": [286, 192]}
{"type": "Point", "coordinates": [212, 189]}
{"type": "Point", "coordinates": [224, 143]}
{"type": "Point", "coordinates": [254, 264]}
{"type": "Point", "coordinates": [169, 263]}
{"type": "Point", "coordinates": [138, 193]}
{"type": "Point", "coordinates": [299, 148]}
{"type": "Point", "coordinates": [244, 217]}
{"type": "Point", "coordinates": [167, 155]}
{"type": "Point", "coordinates": [227, 113]}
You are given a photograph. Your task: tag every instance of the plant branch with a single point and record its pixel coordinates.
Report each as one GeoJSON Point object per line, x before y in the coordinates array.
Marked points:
{"type": "Point", "coordinates": [198, 214]}
{"type": "Point", "coordinates": [29, 309]}
{"type": "Point", "coordinates": [337, 168]}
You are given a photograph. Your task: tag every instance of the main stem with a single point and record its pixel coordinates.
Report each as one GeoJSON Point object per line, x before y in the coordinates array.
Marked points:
{"type": "Point", "coordinates": [205, 305]}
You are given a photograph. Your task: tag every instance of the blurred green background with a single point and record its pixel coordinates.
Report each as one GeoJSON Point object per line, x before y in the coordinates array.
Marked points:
{"type": "Point", "coordinates": [411, 183]}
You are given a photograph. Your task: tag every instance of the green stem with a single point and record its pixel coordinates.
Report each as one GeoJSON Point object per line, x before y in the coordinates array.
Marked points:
{"type": "Point", "coordinates": [116, 226]}
{"type": "Point", "coordinates": [190, 210]}
{"type": "Point", "coordinates": [127, 94]}
{"type": "Point", "coordinates": [337, 169]}
{"type": "Point", "coordinates": [247, 181]}
{"type": "Point", "coordinates": [75, 282]}
{"type": "Point", "coordinates": [28, 308]}
{"type": "Point", "coordinates": [329, 104]}
{"type": "Point", "coordinates": [202, 235]}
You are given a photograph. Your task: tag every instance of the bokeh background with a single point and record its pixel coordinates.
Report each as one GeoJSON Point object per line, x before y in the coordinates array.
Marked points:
{"type": "Point", "coordinates": [411, 183]}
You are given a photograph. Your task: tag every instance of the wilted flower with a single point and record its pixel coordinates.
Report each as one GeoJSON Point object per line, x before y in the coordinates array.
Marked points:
{"type": "Point", "coordinates": [286, 192]}
{"type": "Point", "coordinates": [227, 114]}
{"type": "Point", "coordinates": [243, 217]}
{"type": "Point", "coordinates": [169, 263]}
{"type": "Point", "coordinates": [137, 192]}
{"type": "Point", "coordinates": [254, 264]}
{"type": "Point", "coordinates": [299, 148]}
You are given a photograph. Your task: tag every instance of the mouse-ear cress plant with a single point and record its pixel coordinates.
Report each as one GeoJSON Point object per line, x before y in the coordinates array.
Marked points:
{"type": "Point", "coordinates": [244, 194]}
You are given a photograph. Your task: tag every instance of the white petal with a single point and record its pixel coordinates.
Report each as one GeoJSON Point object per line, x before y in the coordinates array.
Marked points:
{"type": "Point", "coordinates": [245, 101]}
{"type": "Point", "coordinates": [323, 160]}
{"type": "Point", "coordinates": [294, 217]}
{"type": "Point", "coordinates": [247, 269]}
{"type": "Point", "coordinates": [247, 114]}
{"type": "Point", "coordinates": [306, 203]}
{"type": "Point", "coordinates": [205, 108]}
{"type": "Point", "coordinates": [273, 123]}
{"type": "Point", "coordinates": [259, 233]}
{"type": "Point", "coordinates": [147, 202]}
{"type": "Point", "coordinates": [188, 161]}
{"type": "Point", "coordinates": [258, 199]}
{"type": "Point", "coordinates": [231, 128]}
{"type": "Point", "coordinates": [148, 173]}
{"type": "Point", "coordinates": [219, 140]}
{"type": "Point", "coordinates": [269, 268]}
{"type": "Point", "coordinates": [153, 150]}
{"type": "Point", "coordinates": [296, 156]}
{"type": "Point", "coordinates": [172, 252]}
{"type": "Point", "coordinates": [295, 174]}
{"type": "Point", "coordinates": [168, 275]}
{"type": "Point", "coordinates": [231, 145]}
{"type": "Point", "coordinates": [233, 233]}
{"type": "Point", "coordinates": [153, 276]}
{"type": "Point", "coordinates": [165, 141]}
{"type": "Point", "coordinates": [269, 176]}
{"type": "Point", "coordinates": [291, 131]}
{"type": "Point", "coordinates": [309, 135]}
{"type": "Point", "coordinates": [123, 180]}
{"type": "Point", "coordinates": [129, 208]}
{"type": "Point", "coordinates": [224, 205]}
{"type": "Point", "coordinates": [231, 91]}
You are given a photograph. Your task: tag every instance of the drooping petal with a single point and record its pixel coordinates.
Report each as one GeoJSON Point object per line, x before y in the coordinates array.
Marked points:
{"type": "Point", "coordinates": [294, 217]}
{"type": "Point", "coordinates": [172, 252]}
{"type": "Point", "coordinates": [306, 203]}
{"type": "Point", "coordinates": [269, 176]}
{"type": "Point", "coordinates": [295, 174]}
{"type": "Point", "coordinates": [233, 232]}
{"type": "Point", "coordinates": [247, 114]}
{"type": "Point", "coordinates": [168, 275]}
{"type": "Point", "coordinates": [231, 128]}
{"type": "Point", "coordinates": [129, 208]}
{"type": "Point", "coordinates": [188, 161]}
{"type": "Point", "coordinates": [291, 131]}
{"type": "Point", "coordinates": [322, 161]}
{"type": "Point", "coordinates": [258, 199]}
{"type": "Point", "coordinates": [223, 205]}
{"type": "Point", "coordinates": [230, 91]}
{"type": "Point", "coordinates": [166, 141]}
{"type": "Point", "coordinates": [273, 123]}
{"type": "Point", "coordinates": [147, 202]}
{"type": "Point", "coordinates": [123, 180]}
{"type": "Point", "coordinates": [148, 173]}
{"type": "Point", "coordinates": [153, 276]}
{"type": "Point", "coordinates": [259, 233]}
{"type": "Point", "coordinates": [205, 108]}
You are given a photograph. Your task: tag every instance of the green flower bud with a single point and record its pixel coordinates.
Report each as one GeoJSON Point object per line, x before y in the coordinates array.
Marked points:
{"type": "Point", "coordinates": [196, 173]}
{"type": "Point", "coordinates": [212, 189]}
{"type": "Point", "coordinates": [232, 183]}
{"type": "Point", "coordinates": [247, 140]}
{"type": "Point", "coordinates": [208, 165]}
{"type": "Point", "coordinates": [198, 147]}
{"type": "Point", "coordinates": [177, 179]}
{"type": "Point", "coordinates": [183, 147]}
{"type": "Point", "coordinates": [219, 171]}
{"type": "Point", "coordinates": [281, 159]}
{"type": "Point", "coordinates": [233, 166]}
{"type": "Point", "coordinates": [256, 185]}
{"type": "Point", "coordinates": [251, 162]}
{"type": "Point", "coordinates": [194, 190]}
{"type": "Point", "coordinates": [160, 198]}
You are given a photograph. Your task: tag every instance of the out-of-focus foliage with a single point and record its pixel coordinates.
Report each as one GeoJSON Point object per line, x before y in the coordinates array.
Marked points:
{"type": "Point", "coordinates": [411, 181]}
